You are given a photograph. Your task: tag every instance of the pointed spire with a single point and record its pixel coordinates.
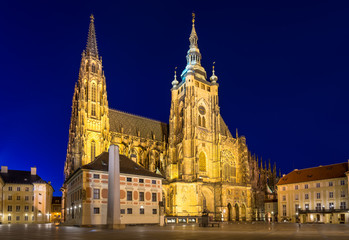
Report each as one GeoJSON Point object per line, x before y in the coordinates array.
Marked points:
{"type": "Point", "coordinates": [91, 46]}
{"type": "Point", "coordinates": [175, 82]}
{"type": "Point", "coordinates": [213, 78]}
{"type": "Point", "coordinates": [237, 134]}
{"type": "Point", "coordinates": [193, 36]}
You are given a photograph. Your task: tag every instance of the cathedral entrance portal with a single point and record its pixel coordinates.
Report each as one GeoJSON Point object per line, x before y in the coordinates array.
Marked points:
{"type": "Point", "coordinates": [237, 217]}
{"type": "Point", "coordinates": [229, 212]}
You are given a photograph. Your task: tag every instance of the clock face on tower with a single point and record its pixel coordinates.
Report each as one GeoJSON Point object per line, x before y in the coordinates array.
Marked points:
{"type": "Point", "coordinates": [202, 110]}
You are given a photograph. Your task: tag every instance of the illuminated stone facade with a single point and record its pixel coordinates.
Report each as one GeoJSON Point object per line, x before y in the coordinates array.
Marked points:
{"type": "Point", "coordinates": [318, 194]}
{"type": "Point", "coordinates": [206, 168]}
{"type": "Point", "coordinates": [25, 197]}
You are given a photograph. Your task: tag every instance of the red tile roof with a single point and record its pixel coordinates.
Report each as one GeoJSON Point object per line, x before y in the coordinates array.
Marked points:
{"type": "Point", "coordinates": [317, 173]}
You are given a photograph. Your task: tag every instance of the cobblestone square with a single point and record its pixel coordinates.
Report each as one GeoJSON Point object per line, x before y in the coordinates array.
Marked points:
{"type": "Point", "coordinates": [178, 232]}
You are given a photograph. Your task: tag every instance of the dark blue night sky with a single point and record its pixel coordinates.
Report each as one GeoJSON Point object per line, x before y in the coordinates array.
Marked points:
{"type": "Point", "coordinates": [283, 69]}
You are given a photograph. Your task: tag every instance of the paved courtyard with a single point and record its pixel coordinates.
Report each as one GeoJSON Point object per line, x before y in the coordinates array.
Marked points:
{"type": "Point", "coordinates": [225, 231]}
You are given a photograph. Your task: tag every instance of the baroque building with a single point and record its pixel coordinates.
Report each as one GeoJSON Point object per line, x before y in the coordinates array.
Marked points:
{"type": "Point", "coordinates": [195, 152]}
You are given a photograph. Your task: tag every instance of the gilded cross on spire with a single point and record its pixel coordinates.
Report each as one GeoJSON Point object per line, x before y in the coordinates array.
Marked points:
{"type": "Point", "coordinates": [193, 20]}
{"type": "Point", "coordinates": [92, 18]}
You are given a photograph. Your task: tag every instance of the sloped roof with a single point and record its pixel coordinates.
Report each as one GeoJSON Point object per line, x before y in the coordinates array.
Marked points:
{"type": "Point", "coordinates": [224, 128]}
{"type": "Point", "coordinates": [313, 174]}
{"type": "Point", "coordinates": [127, 166]}
{"type": "Point", "coordinates": [133, 123]}
{"type": "Point", "coordinates": [21, 177]}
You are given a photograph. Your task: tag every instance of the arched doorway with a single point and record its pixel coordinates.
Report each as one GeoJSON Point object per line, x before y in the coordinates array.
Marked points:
{"type": "Point", "coordinates": [237, 216]}
{"type": "Point", "coordinates": [229, 212]}
{"type": "Point", "coordinates": [243, 212]}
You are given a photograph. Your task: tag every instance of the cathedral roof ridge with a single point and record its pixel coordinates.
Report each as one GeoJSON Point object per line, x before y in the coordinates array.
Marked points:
{"type": "Point", "coordinates": [136, 115]}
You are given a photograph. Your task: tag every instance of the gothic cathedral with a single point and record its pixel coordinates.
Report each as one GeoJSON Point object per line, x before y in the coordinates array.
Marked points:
{"type": "Point", "coordinates": [205, 167]}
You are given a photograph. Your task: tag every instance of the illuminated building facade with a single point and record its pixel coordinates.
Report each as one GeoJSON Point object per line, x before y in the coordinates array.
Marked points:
{"type": "Point", "coordinates": [318, 194]}
{"type": "Point", "coordinates": [87, 193]}
{"type": "Point", "coordinates": [25, 197]}
{"type": "Point", "coordinates": [195, 152]}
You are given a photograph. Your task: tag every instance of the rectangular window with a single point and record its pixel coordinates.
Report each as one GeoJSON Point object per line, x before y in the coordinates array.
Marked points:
{"type": "Point", "coordinates": [330, 194]}
{"type": "Point", "coordinates": [284, 198]}
{"type": "Point", "coordinates": [18, 189]}
{"type": "Point", "coordinates": [306, 186]}
{"type": "Point", "coordinates": [342, 182]}
{"type": "Point", "coordinates": [9, 197]}
{"type": "Point", "coordinates": [153, 181]}
{"type": "Point", "coordinates": [296, 207]}
{"type": "Point", "coordinates": [283, 188]}
{"type": "Point", "coordinates": [196, 84]}
{"type": "Point", "coordinates": [96, 210]}
{"type": "Point", "coordinates": [129, 195]}
{"type": "Point", "coordinates": [122, 211]}
{"type": "Point", "coordinates": [26, 198]}
{"type": "Point", "coordinates": [9, 218]}
{"type": "Point", "coordinates": [296, 197]}
{"type": "Point", "coordinates": [155, 211]}
{"type": "Point", "coordinates": [284, 210]}
{"type": "Point", "coordinates": [343, 205]}
{"type": "Point", "coordinates": [331, 205]}
{"type": "Point", "coordinates": [318, 207]}
{"type": "Point", "coordinates": [330, 184]}
{"type": "Point", "coordinates": [96, 193]}
{"type": "Point", "coordinates": [32, 208]}
{"type": "Point", "coordinates": [27, 189]}
{"type": "Point", "coordinates": [306, 196]}
{"type": "Point", "coordinates": [96, 176]}
{"type": "Point", "coordinates": [202, 86]}
{"type": "Point", "coordinates": [296, 187]}
{"type": "Point", "coordinates": [18, 218]}
{"type": "Point", "coordinates": [317, 185]}
{"type": "Point", "coordinates": [10, 188]}
{"type": "Point", "coordinates": [9, 208]}
{"type": "Point", "coordinates": [141, 180]}
{"type": "Point", "coordinates": [153, 197]}
{"type": "Point", "coordinates": [18, 208]}
{"type": "Point", "coordinates": [141, 211]}
{"type": "Point", "coordinates": [129, 210]}
{"type": "Point", "coordinates": [26, 218]}
{"type": "Point", "coordinates": [208, 89]}
{"type": "Point", "coordinates": [26, 208]}
{"type": "Point", "coordinates": [306, 206]}
{"type": "Point", "coordinates": [18, 198]}
{"type": "Point", "coordinates": [342, 193]}
{"type": "Point", "coordinates": [129, 179]}
{"type": "Point", "coordinates": [318, 195]}
{"type": "Point", "coordinates": [141, 196]}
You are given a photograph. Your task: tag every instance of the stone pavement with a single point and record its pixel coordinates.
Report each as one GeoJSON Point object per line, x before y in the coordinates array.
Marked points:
{"type": "Point", "coordinates": [246, 231]}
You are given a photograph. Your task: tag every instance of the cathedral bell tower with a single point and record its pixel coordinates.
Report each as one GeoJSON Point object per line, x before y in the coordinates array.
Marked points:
{"type": "Point", "coordinates": [89, 126]}
{"type": "Point", "coordinates": [194, 121]}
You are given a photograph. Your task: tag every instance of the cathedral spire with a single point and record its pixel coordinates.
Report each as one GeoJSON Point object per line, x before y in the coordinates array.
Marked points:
{"type": "Point", "coordinates": [194, 56]}
{"type": "Point", "coordinates": [193, 36]}
{"type": "Point", "coordinates": [91, 46]}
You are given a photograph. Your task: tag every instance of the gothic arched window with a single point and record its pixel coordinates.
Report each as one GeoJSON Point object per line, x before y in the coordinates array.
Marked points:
{"type": "Point", "coordinates": [202, 162]}
{"type": "Point", "coordinates": [199, 121]}
{"type": "Point", "coordinates": [93, 150]}
{"type": "Point", "coordinates": [203, 122]}
{"type": "Point", "coordinates": [93, 93]}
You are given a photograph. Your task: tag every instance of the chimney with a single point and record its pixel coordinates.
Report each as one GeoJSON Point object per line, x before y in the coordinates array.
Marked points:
{"type": "Point", "coordinates": [4, 169]}
{"type": "Point", "coordinates": [33, 170]}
